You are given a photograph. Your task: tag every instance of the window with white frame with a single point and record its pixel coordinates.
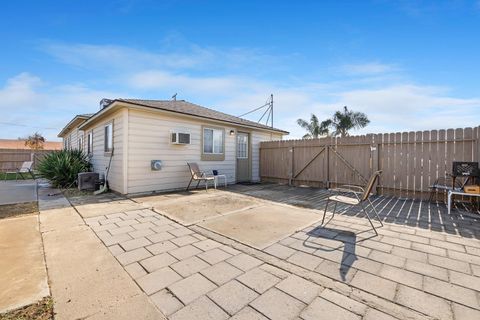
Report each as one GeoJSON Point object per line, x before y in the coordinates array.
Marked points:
{"type": "Point", "coordinates": [109, 137]}
{"type": "Point", "coordinates": [90, 142]}
{"type": "Point", "coordinates": [80, 142]}
{"type": "Point", "coordinates": [242, 146]}
{"type": "Point", "coordinates": [213, 141]}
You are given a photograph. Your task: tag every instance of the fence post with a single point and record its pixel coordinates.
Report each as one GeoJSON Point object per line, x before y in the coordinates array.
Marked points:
{"type": "Point", "coordinates": [292, 169]}
{"type": "Point", "coordinates": [328, 166]}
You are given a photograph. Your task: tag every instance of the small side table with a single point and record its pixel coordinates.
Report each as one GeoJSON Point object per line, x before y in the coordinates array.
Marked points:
{"type": "Point", "coordinates": [460, 193]}
{"type": "Point", "coordinates": [215, 181]}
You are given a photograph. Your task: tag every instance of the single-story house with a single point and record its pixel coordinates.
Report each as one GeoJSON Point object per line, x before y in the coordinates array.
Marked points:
{"type": "Point", "coordinates": [73, 137]}
{"type": "Point", "coordinates": [139, 133]}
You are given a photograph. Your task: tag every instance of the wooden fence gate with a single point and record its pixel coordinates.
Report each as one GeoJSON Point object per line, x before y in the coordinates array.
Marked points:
{"type": "Point", "coordinates": [410, 161]}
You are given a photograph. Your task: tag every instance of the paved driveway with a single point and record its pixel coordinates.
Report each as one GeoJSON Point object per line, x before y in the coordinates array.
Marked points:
{"type": "Point", "coordinates": [17, 191]}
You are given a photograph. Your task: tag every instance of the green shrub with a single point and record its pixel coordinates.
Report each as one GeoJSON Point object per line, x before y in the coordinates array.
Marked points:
{"type": "Point", "coordinates": [62, 167]}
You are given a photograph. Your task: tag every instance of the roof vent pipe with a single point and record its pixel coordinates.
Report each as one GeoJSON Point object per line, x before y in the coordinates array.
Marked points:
{"type": "Point", "coordinates": [104, 103]}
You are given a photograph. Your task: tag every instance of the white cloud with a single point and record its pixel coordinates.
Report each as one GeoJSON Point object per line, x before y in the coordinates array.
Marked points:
{"type": "Point", "coordinates": [173, 57]}
{"type": "Point", "coordinates": [365, 69]}
{"type": "Point", "coordinates": [29, 104]}
{"type": "Point", "coordinates": [392, 102]}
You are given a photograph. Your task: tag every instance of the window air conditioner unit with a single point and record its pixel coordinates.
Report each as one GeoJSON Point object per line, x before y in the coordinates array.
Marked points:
{"type": "Point", "coordinates": [180, 138]}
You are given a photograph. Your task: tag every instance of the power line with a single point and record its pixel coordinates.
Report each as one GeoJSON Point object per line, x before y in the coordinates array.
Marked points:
{"type": "Point", "coordinates": [26, 126]}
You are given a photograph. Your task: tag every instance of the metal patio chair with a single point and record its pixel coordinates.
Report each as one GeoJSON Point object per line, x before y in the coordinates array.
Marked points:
{"type": "Point", "coordinates": [361, 197]}
{"type": "Point", "coordinates": [198, 175]}
{"type": "Point", "coordinates": [25, 168]}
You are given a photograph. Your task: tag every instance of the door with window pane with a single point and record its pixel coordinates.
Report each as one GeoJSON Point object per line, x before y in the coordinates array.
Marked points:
{"type": "Point", "coordinates": [243, 157]}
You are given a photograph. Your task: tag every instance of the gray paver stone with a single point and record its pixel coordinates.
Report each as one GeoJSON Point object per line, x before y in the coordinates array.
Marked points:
{"type": "Point", "coordinates": [191, 288]}
{"type": "Point", "coordinates": [134, 244]}
{"type": "Point", "coordinates": [189, 266]}
{"type": "Point", "coordinates": [161, 247]}
{"type": "Point", "coordinates": [244, 262]}
{"type": "Point", "coordinates": [299, 288]}
{"type": "Point", "coordinates": [202, 309]}
{"type": "Point", "coordinates": [232, 296]}
{"type": "Point", "coordinates": [374, 284]}
{"type": "Point", "coordinates": [277, 305]}
{"type": "Point", "coordinates": [158, 262]}
{"type": "Point", "coordinates": [166, 302]}
{"type": "Point", "coordinates": [185, 252]}
{"type": "Point", "coordinates": [214, 256]}
{"type": "Point", "coordinates": [424, 302]}
{"type": "Point", "coordinates": [132, 256]}
{"type": "Point", "coordinates": [158, 280]}
{"type": "Point", "coordinates": [221, 273]}
{"type": "Point", "coordinates": [320, 307]}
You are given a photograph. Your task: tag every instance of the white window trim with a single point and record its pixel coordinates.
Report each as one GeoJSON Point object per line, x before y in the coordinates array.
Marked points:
{"type": "Point", "coordinates": [90, 142]}
{"type": "Point", "coordinates": [213, 144]}
{"type": "Point", "coordinates": [246, 149]}
{"type": "Point", "coordinates": [105, 143]}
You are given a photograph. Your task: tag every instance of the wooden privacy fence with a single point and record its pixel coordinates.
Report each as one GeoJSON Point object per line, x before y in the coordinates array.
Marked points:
{"type": "Point", "coordinates": [10, 159]}
{"type": "Point", "coordinates": [410, 161]}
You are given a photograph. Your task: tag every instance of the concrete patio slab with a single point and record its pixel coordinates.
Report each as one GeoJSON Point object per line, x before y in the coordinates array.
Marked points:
{"type": "Point", "coordinates": [23, 276]}
{"type": "Point", "coordinates": [17, 191]}
{"type": "Point", "coordinates": [262, 226]}
{"type": "Point", "coordinates": [200, 207]}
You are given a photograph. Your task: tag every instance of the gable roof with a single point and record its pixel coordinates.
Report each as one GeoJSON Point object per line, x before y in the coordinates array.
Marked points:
{"type": "Point", "coordinates": [188, 108]}
{"type": "Point", "coordinates": [77, 119]}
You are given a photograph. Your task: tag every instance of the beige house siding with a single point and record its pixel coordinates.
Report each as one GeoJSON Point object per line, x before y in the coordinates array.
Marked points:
{"type": "Point", "coordinates": [149, 139]}
{"type": "Point", "coordinates": [73, 137]}
{"type": "Point", "coordinates": [99, 158]}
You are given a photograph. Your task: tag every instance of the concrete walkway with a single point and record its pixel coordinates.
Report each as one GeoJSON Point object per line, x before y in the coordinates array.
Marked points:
{"type": "Point", "coordinates": [85, 279]}
{"type": "Point", "coordinates": [23, 277]}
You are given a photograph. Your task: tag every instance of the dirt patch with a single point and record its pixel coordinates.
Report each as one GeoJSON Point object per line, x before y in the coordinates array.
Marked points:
{"type": "Point", "coordinates": [74, 192]}
{"type": "Point", "coordinates": [42, 310]}
{"type": "Point", "coordinates": [11, 210]}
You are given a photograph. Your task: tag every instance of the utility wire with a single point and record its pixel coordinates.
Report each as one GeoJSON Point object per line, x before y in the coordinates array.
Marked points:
{"type": "Point", "coordinates": [23, 125]}
{"type": "Point", "coordinates": [266, 104]}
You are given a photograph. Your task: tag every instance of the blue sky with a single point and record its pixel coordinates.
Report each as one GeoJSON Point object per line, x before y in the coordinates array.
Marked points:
{"type": "Point", "coordinates": [410, 65]}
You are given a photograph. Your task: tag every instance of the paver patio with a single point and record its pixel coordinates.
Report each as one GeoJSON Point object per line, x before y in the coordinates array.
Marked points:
{"type": "Point", "coordinates": [423, 265]}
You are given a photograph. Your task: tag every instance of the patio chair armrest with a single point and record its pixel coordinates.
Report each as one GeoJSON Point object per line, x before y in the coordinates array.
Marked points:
{"type": "Point", "coordinates": [352, 186]}
{"type": "Point", "coordinates": [345, 190]}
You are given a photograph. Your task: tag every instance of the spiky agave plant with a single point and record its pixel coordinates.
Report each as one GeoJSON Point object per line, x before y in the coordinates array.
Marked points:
{"type": "Point", "coordinates": [62, 167]}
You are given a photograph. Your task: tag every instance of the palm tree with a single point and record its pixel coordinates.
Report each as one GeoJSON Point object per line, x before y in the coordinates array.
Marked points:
{"type": "Point", "coordinates": [314, 128]}
{"type": "Point", "coordinates": [344, 121]}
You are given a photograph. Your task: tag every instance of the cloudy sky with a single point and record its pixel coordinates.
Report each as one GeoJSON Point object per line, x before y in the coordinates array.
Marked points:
{"type": "Point", "coordinates": [409, 65]}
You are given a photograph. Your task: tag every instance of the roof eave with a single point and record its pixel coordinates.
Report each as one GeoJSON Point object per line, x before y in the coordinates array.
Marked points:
{"type": "Point", "coordinates": [70, 124]}
{"type": "Point", "coordinates": [115, 101]}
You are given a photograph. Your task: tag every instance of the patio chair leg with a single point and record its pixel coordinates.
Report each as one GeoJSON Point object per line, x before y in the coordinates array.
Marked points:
{"type": "Point", "coordinates": [325, 211]}
{"type": "Point", "coordinates": [206, 185]}
{"type": "Point", "coordinates": [191, 179]}
{"type": "Point", "coordinates": [376, 212]}
{"type": "Point", "coordinates": [198, 183]}
{"type": "Point", "coordinates": [369, 220]}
